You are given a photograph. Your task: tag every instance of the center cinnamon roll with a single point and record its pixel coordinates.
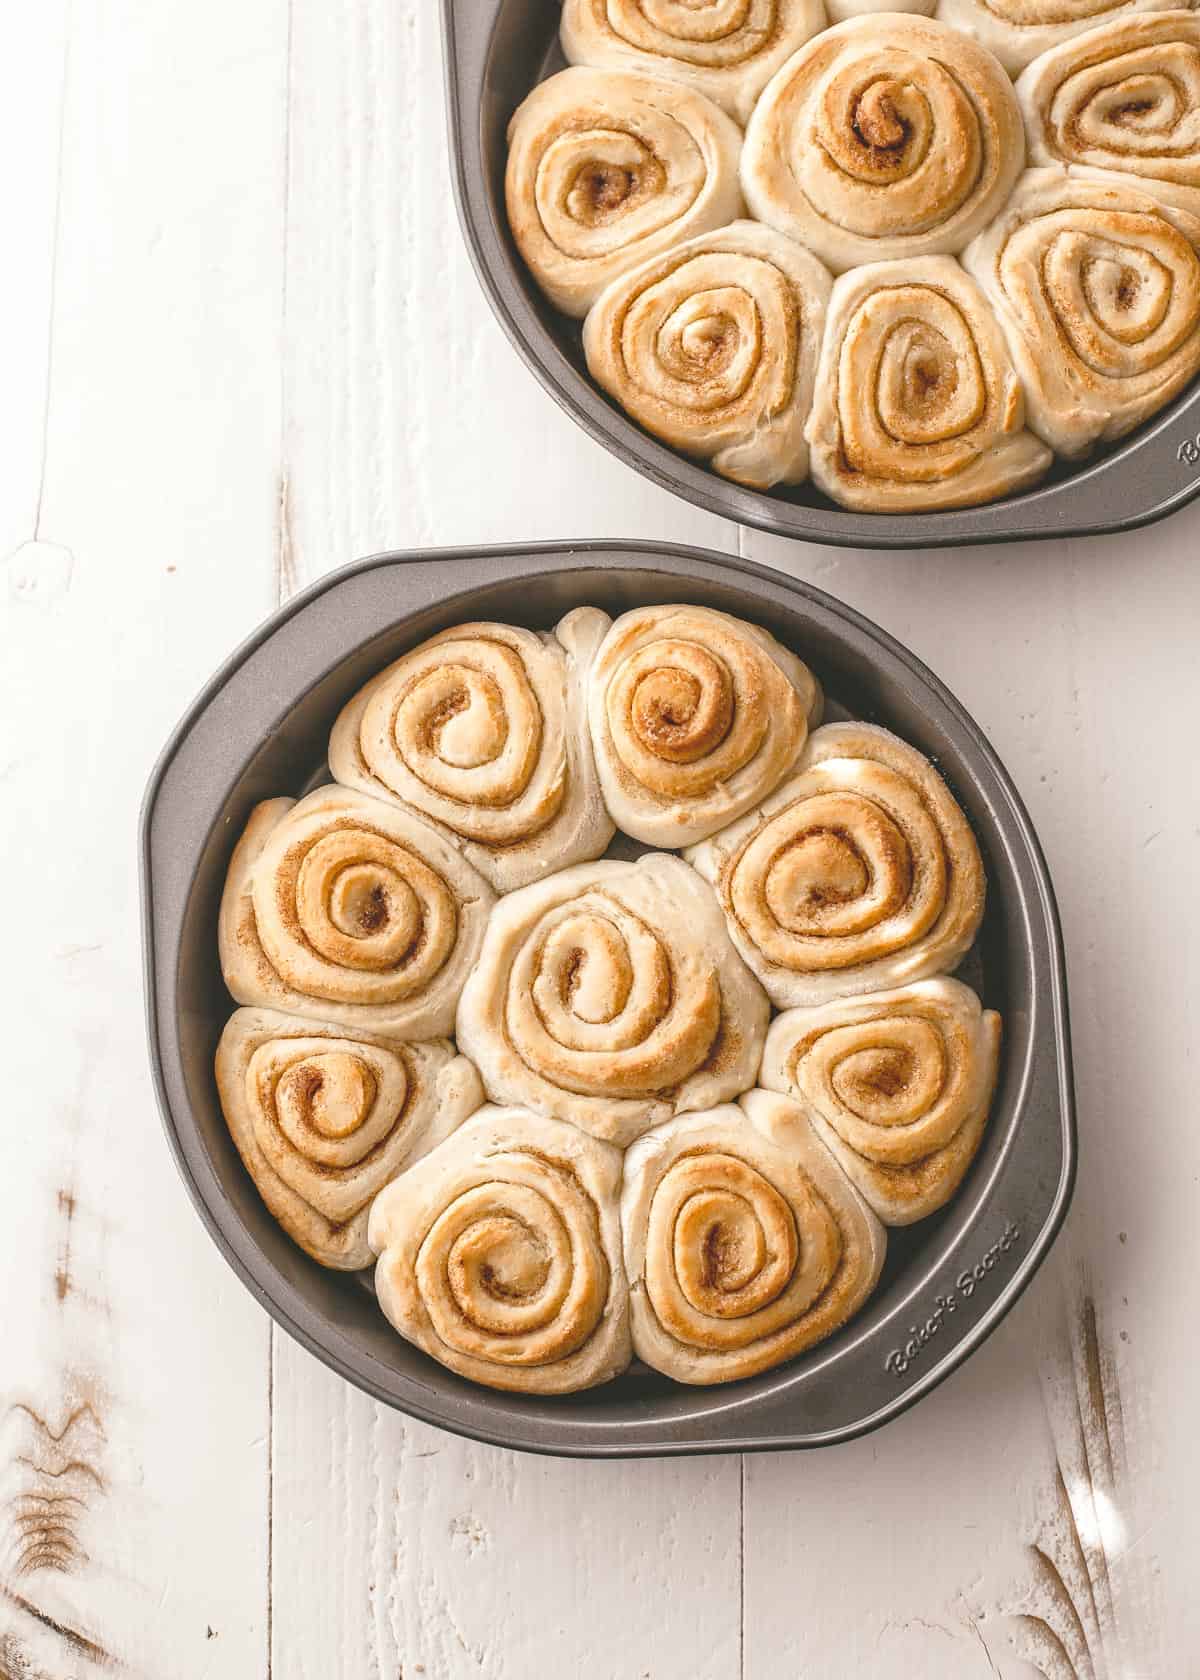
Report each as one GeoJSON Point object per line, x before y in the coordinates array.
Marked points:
{"type": "Point", "coordinates": [610, 996]}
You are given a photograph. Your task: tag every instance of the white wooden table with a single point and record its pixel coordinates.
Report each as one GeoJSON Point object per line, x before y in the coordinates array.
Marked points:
{"type": "Point", "coordinates": [240, 344]}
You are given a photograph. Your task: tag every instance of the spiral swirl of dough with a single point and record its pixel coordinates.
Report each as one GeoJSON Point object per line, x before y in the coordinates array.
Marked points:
{"type": "Point", "coordinates": [897, 1085]}
{"type": "Point", "coordinates": [744, 1241]}
{"type": "Point", "coordinates": [606, 170]}
{"type": "Point", "coordinates": [917, 405]}
{"type": "Point", "coordinates": [483, 729]}
{"type": "Point", "coordinates": [886, 136]}
{"type": "Point", "coordinates": [323, 1120]}
{"type": "Point", "coordinates": [351, 910]}
{"type": "Point", "coordinates": [1125, 97]}
{"type": "Point", "coordinates": [713, 348]}
{"type": "Point", "coordinates": [1097, 287]}
{"type": "Point", "coordinates": [500, 1256]}
{"type": "Point", "coordinates": [1017, 31]}
{"type": "Point", "coordinates": [726, 49]}
{"type": "Point", "coordinates": [859, 872]}
{"type": "Point", "coordinates": [838, 11]}
{"type": "Point", "coordinates": [694, 715]}
{"type": "Point", "coordinates": [610, 996]}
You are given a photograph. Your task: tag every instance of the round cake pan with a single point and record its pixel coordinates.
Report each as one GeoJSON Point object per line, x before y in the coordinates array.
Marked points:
{"type": "Point", "coordinates": [260, 729]}
{"type": "Point", "coordinates": [496, 50]}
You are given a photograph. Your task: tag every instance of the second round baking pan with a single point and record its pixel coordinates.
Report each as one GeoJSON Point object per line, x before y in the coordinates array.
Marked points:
{"type": "Point", "coordinates": [260, 729]}
{"type": "Point", "coordinates": [496, 50]}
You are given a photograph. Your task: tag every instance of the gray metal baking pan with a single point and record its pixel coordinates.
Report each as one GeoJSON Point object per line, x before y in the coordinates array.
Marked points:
{"type": "Point", "coordinates": [260, 728]}
{"type": "Point", "coordinates": [496, 50]}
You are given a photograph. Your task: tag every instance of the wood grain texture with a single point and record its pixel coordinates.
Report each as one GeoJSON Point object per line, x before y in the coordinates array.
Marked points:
{"type": "Point", "coordinates": [133, 1380]}
{"type": "Point", "coordinates": [445, 1559]}
{"type": "Point", "coordinates": [409, 420]}
{"type": "Point", "coordinates": [242, 344]}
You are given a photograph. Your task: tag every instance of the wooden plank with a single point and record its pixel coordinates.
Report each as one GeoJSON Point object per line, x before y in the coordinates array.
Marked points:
{"type": "Point", "coordinates": [410, 422]}
{"type": "Point", "coordinates": [897, 1555]}
{"type": "Point", "coordinates": [1077, 660]}
{"type": "Point", "coordinates": [442, 1558]}
{"type": "Point", "coordinates": [133, 1418]}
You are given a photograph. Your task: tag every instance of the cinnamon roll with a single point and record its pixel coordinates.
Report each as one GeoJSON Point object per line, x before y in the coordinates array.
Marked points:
{"type": "Point", "coordinates": [1018, 30]}
{"type": "Point", "coordinates": [897, 1085]}
{"type": "Point", "coordinates": [324, 1119]}
{"type": "Point", "coordinates": [483, 729]}
{"type": "Point", "coordinates": [354, 911]}
{"type": "Point", "coordinates": [1126, 97]}
{"type": "Point", "coordinates": [713, 348]}
{"type": "Point", "coordinates": [839, 10]}
{"type": "Point", "coordinates": [860, 872]}
{"type": "Point", "coordinates": [1097, 287]}
{"type": "Point", "coordinates": [917, 405]}
{"type": "Point", "coordinates": [694, 715]}
{"type": "Point", "coordinates": [500, 1255]}
{"type": "Point", "coordinates": [610, 996]}
{"type": "Point", "coordinates": [745, 1243]}
{"type": "Point", "coordinates": [886, 136]}
{"type": "Point", "coordinates": [607, 169]}
{"type": "Point", "coordinates": [727, 49]}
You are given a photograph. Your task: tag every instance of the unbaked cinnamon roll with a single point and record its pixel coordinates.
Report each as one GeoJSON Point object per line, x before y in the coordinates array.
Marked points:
{"type": "Point", "coordinates": [1126, 97]}
{"type": "Point", "coordinates": [898, 1086]}
{"type": "Point", "coordinates": [324, 1119]}
{"type": "Point", "coordinates": [1018, 30]}
{"type": "Point", "coordinates": [917, 404]}
{"type": "Point", "coordinates": [694, 716]}
{"type": "Point", "coordinates": [886, 136]}
{"type": "Point", "coordinates": [484, 729]}
{"type": "Point", "coordinates": [610, 996]}
{"type": "Point", "coordinates": [500, 1255]}
{"type": "Point", "coordinates": [726, 49]}
{"type": "Point", "coordinates": [713, 348]}
{"type": "Point", "coordinates": [353, 911]}
{"type": "Point", "coordinates": [745, 1243]}
{"type": "Point", "coordinates": [859, 872]}
{"type": "Point", "coordinates": [839, 10]}
{"type": "Point", "coordinates": [607, 169]}
{"type": "Point", "coordinates": [1097, 287]}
